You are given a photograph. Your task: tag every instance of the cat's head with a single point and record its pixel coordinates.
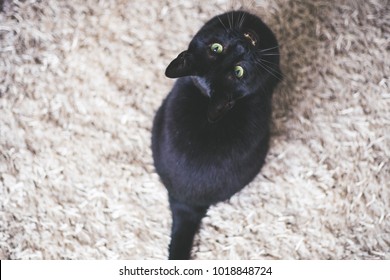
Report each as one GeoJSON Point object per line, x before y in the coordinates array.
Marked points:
{"type": "Point", "coordinates": [234, 55]}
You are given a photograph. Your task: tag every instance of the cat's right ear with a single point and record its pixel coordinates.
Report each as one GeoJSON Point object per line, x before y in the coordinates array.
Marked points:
{"type": "Point", "coordinates": [181, 66]}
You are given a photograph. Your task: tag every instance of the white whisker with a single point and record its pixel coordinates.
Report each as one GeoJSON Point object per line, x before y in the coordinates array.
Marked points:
{"type": "Point", "coordinates": [268, 62]}
{"type": "Point", "coordinates": [264, 50]}
{"type": "Point", "coordinates": [270, 54]}
{"type": "Point", "coordinates": [270, 70]}
{"type": "Point", "coordinates": [242, 20]}
{"type": "Point", "coordinates": [230, 23]}
{"type": "Point", "coordinates": [224, 26]}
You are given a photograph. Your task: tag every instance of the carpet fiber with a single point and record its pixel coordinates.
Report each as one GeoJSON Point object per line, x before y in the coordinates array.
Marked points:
{"type": "Point", "coordinates": [80, 82]}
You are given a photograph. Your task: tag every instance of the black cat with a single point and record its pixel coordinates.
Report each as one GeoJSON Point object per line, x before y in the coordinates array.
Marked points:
{"type": "Point", "coordinates": [210, 136]}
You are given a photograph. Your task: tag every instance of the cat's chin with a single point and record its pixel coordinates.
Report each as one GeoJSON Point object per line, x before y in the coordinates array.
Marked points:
{"type": "Point", "coordinates": [216, 113]}
{"type": "Point", "coordinates": [213, 121]}
{"type": "Point", "coordinates": [202, 85]}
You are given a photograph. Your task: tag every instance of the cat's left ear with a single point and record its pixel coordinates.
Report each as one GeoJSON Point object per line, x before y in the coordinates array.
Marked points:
{"type": "Point", "coordinates": [182, 65]}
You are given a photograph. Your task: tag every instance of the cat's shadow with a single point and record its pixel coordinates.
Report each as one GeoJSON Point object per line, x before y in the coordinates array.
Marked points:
{"type": "Point", "coordinates": [295, 24]}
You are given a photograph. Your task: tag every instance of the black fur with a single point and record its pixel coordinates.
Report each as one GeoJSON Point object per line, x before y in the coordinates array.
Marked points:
{"type": "Point", "coordinates": [210, 136]}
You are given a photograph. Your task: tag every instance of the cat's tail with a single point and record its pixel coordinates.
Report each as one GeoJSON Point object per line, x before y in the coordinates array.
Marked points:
{"type": "Point", "coordinates": [185, 223]}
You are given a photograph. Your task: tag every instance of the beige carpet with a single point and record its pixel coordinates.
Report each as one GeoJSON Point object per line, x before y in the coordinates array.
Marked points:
{"type": "Point", "coordinates": [80, 82]}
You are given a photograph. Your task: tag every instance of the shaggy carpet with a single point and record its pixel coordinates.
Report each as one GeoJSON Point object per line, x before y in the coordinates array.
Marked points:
{"type": "Point", "coordinates": [80, 82]}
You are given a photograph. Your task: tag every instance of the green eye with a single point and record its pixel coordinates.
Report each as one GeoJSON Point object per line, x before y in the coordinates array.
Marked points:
{"type": "Point", "coordinates": [238, 71]}
{"type": "Point", "coordinates": [216, 47]}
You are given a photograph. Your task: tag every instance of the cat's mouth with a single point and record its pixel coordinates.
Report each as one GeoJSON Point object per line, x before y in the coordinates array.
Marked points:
{"type": "Point", "coordinates": [217, 110]}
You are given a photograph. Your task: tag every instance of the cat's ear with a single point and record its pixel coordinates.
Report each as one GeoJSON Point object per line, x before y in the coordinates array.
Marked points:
{"type": "Point", "coordinates": [181, 66]}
